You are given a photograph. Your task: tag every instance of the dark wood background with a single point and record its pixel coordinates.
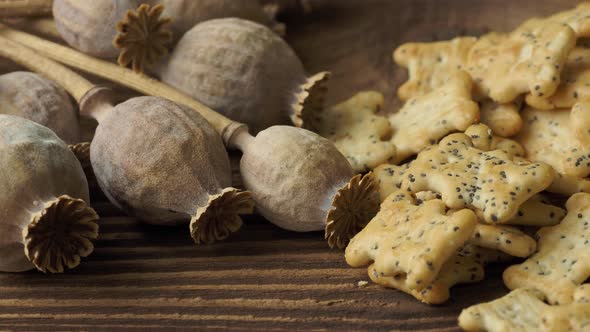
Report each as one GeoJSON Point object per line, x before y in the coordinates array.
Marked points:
{"type": "Point", "coordinates": [152, 278]}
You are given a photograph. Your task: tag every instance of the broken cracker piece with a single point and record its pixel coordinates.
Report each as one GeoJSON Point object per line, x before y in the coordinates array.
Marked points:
{"type": "Point", "coordinates": [549, 137]}
{"type": "Point", "coordinates": [488, 182]}
{"type": "Point", "coordinates": [539, 212]}
{"type": "Point", "coordinates": [524, 310]}
{"type": "Point", "coordinates": [424, 120]}
{"type": "Point", "coordinates": [575, 83]}
{"type": "Point", "coordinates": [562, 259]}
{"type": "Point", "coordinates": [408, 242]}
{"type": "Point", "coordinates": [430, 65]}
{"type": "Point", "coordinates": [529, 59]}
{"type": "Point", "coordinates": [358, 132]}
{"type": "Point", "coordinates": [503, 119]}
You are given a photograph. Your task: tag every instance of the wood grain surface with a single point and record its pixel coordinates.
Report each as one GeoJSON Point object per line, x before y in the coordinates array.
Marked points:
{"type": "Point", "coordinates": [154, 279]}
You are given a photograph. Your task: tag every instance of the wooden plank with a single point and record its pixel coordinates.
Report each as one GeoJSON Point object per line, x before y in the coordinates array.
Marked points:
{"type": "Point", "coordinates": [144, 277]}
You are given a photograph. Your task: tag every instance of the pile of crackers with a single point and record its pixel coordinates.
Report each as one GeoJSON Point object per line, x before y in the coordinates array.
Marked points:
{"type": "Point", "coordinates": [490, 124]}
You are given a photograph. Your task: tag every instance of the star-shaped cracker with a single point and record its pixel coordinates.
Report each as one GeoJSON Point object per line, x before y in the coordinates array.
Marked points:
{"type": "Point", "coordinates": [524, 310]}
{"type": "Point", "coordinates": [575, 83]}
{"type": "Point", "coordinates": [466, 266]}
{"type": "Point", "coordinates": [488, 182]}
{"type": "Point", "coordinates": [358, 132]}
{"type": "Point", "coordinates": [503, 119]}
{"type": "Point", "coordinates": [562, 261]}
{"type": "Point", "coordinates": [424, 120]}
{"type": "Point", "coordinates": [549, 137]}
{"type": "Point", "coordinates": [430, 65]}
{"type": "Point", "coordinates": [410, 242]}
{"type": "Point", "coordinates": [529, 59]}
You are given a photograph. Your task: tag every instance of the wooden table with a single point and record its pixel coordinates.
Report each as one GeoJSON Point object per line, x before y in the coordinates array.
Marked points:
{"type": "Point", "coordinates": [153, 278]}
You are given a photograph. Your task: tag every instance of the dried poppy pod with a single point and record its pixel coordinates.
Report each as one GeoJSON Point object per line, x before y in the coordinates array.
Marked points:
{"type": "Point", "coordinates": [40, 100]}
{"type": "Point", "coordinates": [187, 13]}
{"type": "Point", "coordinates": [45, 222]}
{"type": "Point", "coordinates": [294, 158]}
{"type": "Point", "coordinates": [91, 26]}
{"type": "Point", "coordinates": [166, 165]}
{"type": "Point", "coordinates": [244, 71]}
{"type": "Point", "coordinates": [301, 182]}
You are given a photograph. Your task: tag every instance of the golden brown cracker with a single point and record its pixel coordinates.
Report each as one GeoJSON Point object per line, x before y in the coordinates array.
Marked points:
{"type": "Point", "coordinates": [575, 83]}
{"type": "Point", "coordinates": [529, 59]}
{"type": "Point", "coordinates": [484, 139]}
{"type": "Point", "coordinates": [524, 310]}
{"type": "Point", "coordinates": [389, 178]}
{"type": "Point", "coordinates": [562, 260]}
{"type": "Point", "coordinates": [358, 132]}
{"type": "Point", "coordinates": [519, 311]}
{"type": "Point", "coordinates": [580, 121]}
{"type": "Point", "coordinates": [509, 240]}
{"type": "Point", "coordinates": [466, 266]}
{"type": "Point", "coordinates": [539, 212]}
{"type": "Point", "coordinates": [424, 120]}
{"type": "Point", "coordinates": [503, 119]}
{"type": "Point", "coordinates": [430, 65]}
{"type": "Point", "coordinates": [578, 19]}
{"type": "Point", "coordinates": [568, 185]}
{"type": "Point", "coordinates": [488, 182]}
{"type": "Point", "coordinates": [410, 242]}
{"type": "Point", "coordinates": [549, 137]}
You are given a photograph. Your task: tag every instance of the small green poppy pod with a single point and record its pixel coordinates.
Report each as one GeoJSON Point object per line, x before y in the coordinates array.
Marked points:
{"type": "Point", "coordinates": [45, 220]}
{"type": "Point", "coordinates": [167, 166]}
{"type": "Point", "coordinates": [91, 26]}
{"type": "Point", "coordinates": [245, 71]}
{"type": "Point", "coordinates": [40, 100]}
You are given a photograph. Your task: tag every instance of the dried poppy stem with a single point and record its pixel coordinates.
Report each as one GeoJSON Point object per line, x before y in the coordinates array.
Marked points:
{"type": "Point", "coordinates": [40, 26]}
{"type": "Point", "coordinates": [16, 8]}
{"type": "Point", "coordinates": [299, 180]}
{"type": "Point", "coordinates": [203, 176]}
